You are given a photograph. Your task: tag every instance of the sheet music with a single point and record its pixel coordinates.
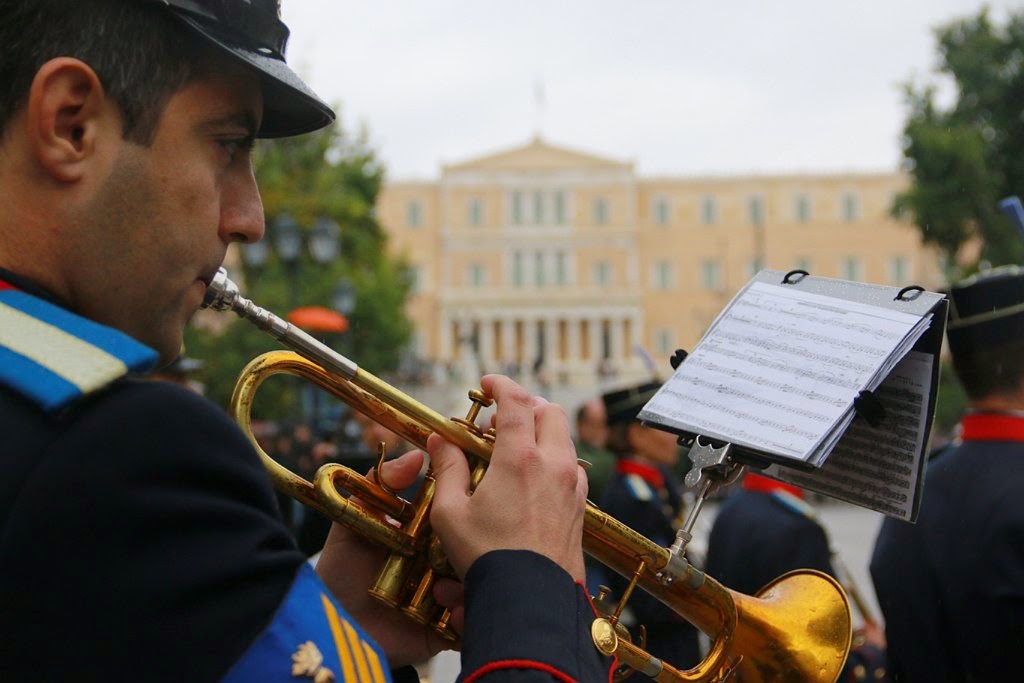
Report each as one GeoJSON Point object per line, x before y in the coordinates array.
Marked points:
{"type": "Point", "coordinates": [780, 368]}
{"type": "Point", "coordinates": [880, 467]}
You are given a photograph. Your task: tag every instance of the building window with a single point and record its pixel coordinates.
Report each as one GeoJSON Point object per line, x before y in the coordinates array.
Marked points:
{"type": "Point", "coordinates": [899, 270]}
{"type": "Point", "coordinates": [663, 275]}
{"type": "Point", "coordinates": [517, 207]}
{"type": "Point", "coordinates": [538, 207]}
{"type": "Point", "coordinates": [711, 275]}
{"type": "Point", "coordinates": [475, 211]}
{"type": "Point", "coordinates": [415, 275]}
{"type": "Point", "coordinates": [802, 208]}
{"type": "Point", "coordinates": [601, 211]}
{"type": "Point", "coordinates": [560, 208]}
{"type": "Point", "coordinates": [851, 268]}
{"type": "Point", "coordinates": [561, 268]}
{"type": "Point", "coordinates": [602, 273]}
{"type": "Point", "coordinates": [851, 207]}
{"type": "Point", "coordinates": [518, 267]}
{"type": "Point", "coordinates": [539, 274]}
{"type": "Point", "coordinates": [753, 268]}
{"type": "Point", "coordinates": [663, 341]}
{"type": "Point", "coordinates": [661, 211]}
{"type": "Point", "coordinates": [755, 210]}
{"type": "Point", "coordinates": [413, 214]}
{"type": "Point", "coordinates": [708, 210]}
{"type": "Point", "coordinates": [476, 275]}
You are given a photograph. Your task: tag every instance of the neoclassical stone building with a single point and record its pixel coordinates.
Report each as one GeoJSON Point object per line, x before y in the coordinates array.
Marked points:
{"type": "Point", "coordinates": [576, 272]}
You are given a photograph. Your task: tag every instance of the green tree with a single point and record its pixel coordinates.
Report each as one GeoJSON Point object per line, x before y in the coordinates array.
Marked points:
{"type": "Point", "coordinates": [964, 158]}
{"type": "Point", "coordinates": [323, 174]}
{"type": "Point", "coordinates": [951, 404]}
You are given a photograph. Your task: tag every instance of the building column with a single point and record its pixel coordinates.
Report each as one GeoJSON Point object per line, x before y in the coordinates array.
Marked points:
{"type": "Point", "coordinates": [573, 329]}
{"type": "Point", "coordinates": [462, 330]}
{"type": "Point", "coordinates": [551, 359]}
{"type": "Point", "coordinates": [616, 332]}
{"type": "Point", "coordinates": [593, 339]}
{"type": "Point", "coordinates": [508, 340]}
{"type": "Point", "coordinates": [634, 333]}
{"type": "Point", "coordinates": [487, 349]}
{"type": "Point", "coordinates": [446, 345]}
{"type": "Point", "coordinates": [529, 343]}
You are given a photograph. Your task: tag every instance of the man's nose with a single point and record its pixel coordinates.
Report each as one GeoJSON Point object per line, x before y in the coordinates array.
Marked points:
{"type": "Point", "coordinates": [241, 217]}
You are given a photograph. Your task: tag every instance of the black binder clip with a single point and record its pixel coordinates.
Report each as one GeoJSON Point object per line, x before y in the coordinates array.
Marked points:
{"type": "Point", "coordinates": [677, 358]}
{"type": "Point", "coordinates": [909, 293]}
{"type": "Point", "coordinates": [794, 276]}
{"type": "Point", "coordinates": [870, 408]}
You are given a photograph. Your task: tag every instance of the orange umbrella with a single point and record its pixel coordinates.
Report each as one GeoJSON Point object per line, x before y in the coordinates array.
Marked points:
{"type": "Point", "coordinates": [318, 319]}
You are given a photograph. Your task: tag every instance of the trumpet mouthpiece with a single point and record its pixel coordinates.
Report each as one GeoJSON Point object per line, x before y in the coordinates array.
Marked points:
{"type": "Point", "coordinates": [221, 293]}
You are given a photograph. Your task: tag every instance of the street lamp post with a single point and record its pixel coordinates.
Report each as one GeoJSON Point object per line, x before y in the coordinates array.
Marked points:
{"type": "Point", "coordinates": [286, 238]}
{"type": "Point", "coordinates": [344, 300]}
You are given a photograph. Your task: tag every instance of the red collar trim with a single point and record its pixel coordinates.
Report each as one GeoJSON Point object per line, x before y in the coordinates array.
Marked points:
{"type": "Point", "coordinates": [762, 484]}
{"type": "Point", "coordinates": [6, 285]}
{"type": "Point", "coordinates": [649, 473]}
{"type": "Point", "coordinates": [992, 427]}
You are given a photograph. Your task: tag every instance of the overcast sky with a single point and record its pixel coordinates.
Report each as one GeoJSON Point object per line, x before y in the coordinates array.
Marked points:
{"type": "Point", "coordinates": [678, 87]}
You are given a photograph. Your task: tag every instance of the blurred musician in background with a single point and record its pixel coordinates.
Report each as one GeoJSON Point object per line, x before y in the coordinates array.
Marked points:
{"type": "Point", "coordinates": [767, 528]}
{"type": "Point", "coordinates": [135, 512]}
{"type": "Point", "coordinates": [644, 495]}
{"type": "Point", "coordinates": [591, 445]}
{"type": "Point", "coordinates": [951, 586]}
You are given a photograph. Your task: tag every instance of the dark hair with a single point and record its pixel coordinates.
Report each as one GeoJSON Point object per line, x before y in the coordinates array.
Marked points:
{"type": "Point", "coordinates": [993, 371]}
{"type": "Point", "coordinates": [141, 53]}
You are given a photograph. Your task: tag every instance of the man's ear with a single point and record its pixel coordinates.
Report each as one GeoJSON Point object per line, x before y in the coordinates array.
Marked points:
{"type": "Point", "coordinates": [68, 113]}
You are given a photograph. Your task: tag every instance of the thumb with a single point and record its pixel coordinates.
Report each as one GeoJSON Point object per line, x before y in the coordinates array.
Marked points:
{"type": "Point", "coordinates": [400, 472]}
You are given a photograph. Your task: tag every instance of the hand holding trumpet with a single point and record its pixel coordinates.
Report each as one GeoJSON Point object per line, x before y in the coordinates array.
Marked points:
{"type": "Point", "coordinates": [533, 498]}
{"type": "Point", "coordinates": [534, 494]}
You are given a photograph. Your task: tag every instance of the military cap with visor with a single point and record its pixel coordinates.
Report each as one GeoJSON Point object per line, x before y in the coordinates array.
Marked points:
{"type": "Point", "coordinates": [623, 405]}
{"type": "Point", "coordinates": [986, 310]}
{"type": "Point", "coordinates": [251, 32]}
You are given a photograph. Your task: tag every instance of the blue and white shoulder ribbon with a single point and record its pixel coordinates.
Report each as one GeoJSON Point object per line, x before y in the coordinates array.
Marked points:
{"type": "Point", "coordinates": [52, 356]}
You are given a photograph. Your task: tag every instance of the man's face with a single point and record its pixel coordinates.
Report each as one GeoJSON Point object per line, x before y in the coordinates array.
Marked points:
{"type": "Point", "coordinates": [654, 444]}
{"type": "Point", "coordinates": [158, 226]}
{"type": "Point", "coordinates": [593, 428]}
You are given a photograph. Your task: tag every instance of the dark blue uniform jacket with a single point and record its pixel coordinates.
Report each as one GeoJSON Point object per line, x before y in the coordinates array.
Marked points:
{"type": "Point", "coordinates": [951, 586]}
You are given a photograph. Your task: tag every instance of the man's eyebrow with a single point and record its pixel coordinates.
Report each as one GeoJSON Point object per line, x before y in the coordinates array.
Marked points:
{"type": "Point", "coordinates": [241, 119]}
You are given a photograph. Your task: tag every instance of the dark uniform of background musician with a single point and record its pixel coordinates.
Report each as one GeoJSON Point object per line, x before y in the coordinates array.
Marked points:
{"type": "Point", "coordinates": [140, 536]}
{"type": "Point", "coordinates": [644, 495]}
{"type": "Point", "coordinates": [951, 587]}
{"type": "Point", "coordinates": [766, 529]}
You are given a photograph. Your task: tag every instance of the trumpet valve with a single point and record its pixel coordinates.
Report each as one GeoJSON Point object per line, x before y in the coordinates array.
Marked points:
{"type": "Point", "coordinates": [478, 400]}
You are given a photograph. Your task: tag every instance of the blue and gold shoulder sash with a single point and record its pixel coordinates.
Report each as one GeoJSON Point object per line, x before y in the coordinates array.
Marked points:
{"type": "Point", "coordinates": [311, 638]}
{"type": "Point", "coordinates": [52, 356]}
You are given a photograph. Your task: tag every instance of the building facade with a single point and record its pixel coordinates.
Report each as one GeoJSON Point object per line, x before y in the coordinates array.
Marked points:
{"type": "Point", "coordinates": [569, 270]}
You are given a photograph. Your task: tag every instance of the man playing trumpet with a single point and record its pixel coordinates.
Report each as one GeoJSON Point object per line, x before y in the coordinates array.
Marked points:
{"type": "Point", "coordinates": [140, 536]}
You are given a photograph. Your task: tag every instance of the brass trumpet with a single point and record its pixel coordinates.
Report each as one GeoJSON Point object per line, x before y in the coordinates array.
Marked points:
{"type": "Point", "coordinates": [797, 628]}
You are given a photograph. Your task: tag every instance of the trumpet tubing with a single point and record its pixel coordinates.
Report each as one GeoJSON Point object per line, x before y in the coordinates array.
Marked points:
{"type": "Point", "coordinates": [796, 629]}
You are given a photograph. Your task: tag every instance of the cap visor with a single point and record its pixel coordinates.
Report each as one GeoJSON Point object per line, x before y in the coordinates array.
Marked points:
{"type": "Point", "coordinates": [290, 107]}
